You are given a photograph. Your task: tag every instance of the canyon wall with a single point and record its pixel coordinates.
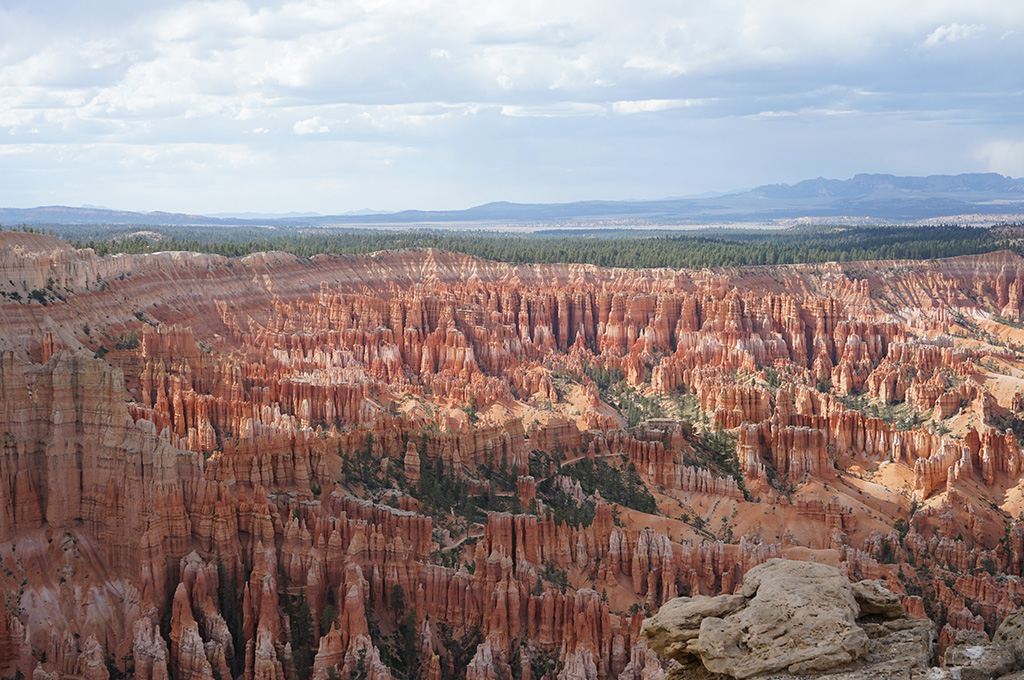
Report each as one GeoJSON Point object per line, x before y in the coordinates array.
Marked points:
{"type": "Point", "coordinates": [418, 464]}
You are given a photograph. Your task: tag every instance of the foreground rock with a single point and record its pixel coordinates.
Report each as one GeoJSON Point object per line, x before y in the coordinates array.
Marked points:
{"type": "Point", "coordinates": [804, 619]}
{"type": "Point", "coordinates": [1010, 633]}
{"type": "Point", "coordinates": [785, 625]}
{"type": "Point", "coordinates": [973, 657]}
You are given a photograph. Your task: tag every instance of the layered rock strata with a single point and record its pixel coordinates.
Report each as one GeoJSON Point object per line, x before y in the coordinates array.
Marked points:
{"type": "Point", "coordinates": [275, 467]}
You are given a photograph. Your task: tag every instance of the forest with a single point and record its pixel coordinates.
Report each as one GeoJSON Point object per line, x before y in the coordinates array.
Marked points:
{"type": "Point", "coordinates": [719, 247]}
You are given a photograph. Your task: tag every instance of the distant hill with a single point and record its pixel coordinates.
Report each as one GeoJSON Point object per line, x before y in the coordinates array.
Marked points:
{"type": "Point", "coordinates": [866, 186]}
{"type": "Point", "coordinates": [886, 198]}
{"type": "Point", "coordinates": [59, 214]}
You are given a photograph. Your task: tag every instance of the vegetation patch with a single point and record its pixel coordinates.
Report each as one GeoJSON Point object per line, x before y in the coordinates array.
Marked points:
{"type": "Point", "coordinates": [716, 450]}
{"type": "Point", "coordinates": [901, 416]}
{"type": "Point", "coordinates": [612, 248]}
{"type": "Point", "coordinates": [620, 485]}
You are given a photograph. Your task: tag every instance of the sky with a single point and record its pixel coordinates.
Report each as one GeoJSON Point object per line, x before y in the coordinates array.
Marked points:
{"type": "Point", "coordinates": [334, 106]}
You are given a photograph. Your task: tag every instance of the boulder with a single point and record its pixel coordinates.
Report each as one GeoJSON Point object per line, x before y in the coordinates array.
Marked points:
{"type": "Point", "coordinates": [1010, 633]}
{"type": "Point", "coordinates": [874, 598]}
{"type": "Point", "coordinates": [795, 616]}
{"type": "Point", "coordinates": [801, 617]}
{"type": "Point", "coordinates": [899, 646]}
{"type": "Point", "coordinates": [899, 649]}
{"type": "Point", "coordinates": [978, 659]}
{"type": "Point", "coordinates": [678, 622]}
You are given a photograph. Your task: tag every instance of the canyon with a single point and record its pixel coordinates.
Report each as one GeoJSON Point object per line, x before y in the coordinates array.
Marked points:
{"type": "Point", "coordinates": [417, 464]}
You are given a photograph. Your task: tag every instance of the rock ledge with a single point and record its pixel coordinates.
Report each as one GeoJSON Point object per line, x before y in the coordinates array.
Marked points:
{"type": "Point", "coordinates": [804, 619]}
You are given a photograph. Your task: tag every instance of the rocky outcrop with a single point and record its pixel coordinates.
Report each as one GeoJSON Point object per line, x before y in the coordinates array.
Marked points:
{"type": "Point", "coordinates": [973, 657]}
{"type": "Point", "coordinates": [793, 616]}
{"type": "Point", "coordinates": [803, 619]}
{"type": "Point", "coordinates": [193, 446]}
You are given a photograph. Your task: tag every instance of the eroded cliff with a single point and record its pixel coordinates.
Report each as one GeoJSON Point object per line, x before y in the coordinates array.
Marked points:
{"type": "Point", "coordinates": [417, 464]}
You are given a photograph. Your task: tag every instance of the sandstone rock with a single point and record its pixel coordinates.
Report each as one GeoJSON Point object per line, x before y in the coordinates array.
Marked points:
{"type": "Point", "coordinates": [774, 589]}
{"type": "Point", "coordinates": [793, 616]}
{"type": "Point", "coordinates": [898, 649]}
{"type": "Point", "coordinates": [678, 621]}
{"type": "Point", "coordinates": [898, 646]}
{"type": "Point", "coordinates": [1010, 634]}
{"type": "Point", "coordinates": [973, 657]}
{"type": "Point", "coordinates": [1019, 675]}
{"type": "Point", "coordinates": [801, 617]}
{"type": "Point", "coordinates": [874, 598]}
{"type": "Point", "coordinates": [91, 664]}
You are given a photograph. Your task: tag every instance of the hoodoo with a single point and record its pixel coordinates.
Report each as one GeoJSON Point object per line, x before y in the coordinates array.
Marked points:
{"type": "Point", "coordinates": [417, 464]}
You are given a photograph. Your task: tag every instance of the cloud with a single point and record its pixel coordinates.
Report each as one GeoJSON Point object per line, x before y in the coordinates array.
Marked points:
{"type": "Point", "coordinates": [652, 105]}
{"type": "Point", "coordinates": [311, 126]}
{"type": "Point", "coordinates": [1005, 156]}
{"type": "Point", "coordinates": [953, 33]}
{"type": "Point", "coordinates": [768, 115]}
{"type": "Point", "coordinates": [556, 110]}
{"type": "Point", "coordinates": [482, 96]}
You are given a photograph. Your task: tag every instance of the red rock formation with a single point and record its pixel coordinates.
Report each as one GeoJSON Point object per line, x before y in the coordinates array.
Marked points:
{"type": "Point", "coordinates": [265, 438]}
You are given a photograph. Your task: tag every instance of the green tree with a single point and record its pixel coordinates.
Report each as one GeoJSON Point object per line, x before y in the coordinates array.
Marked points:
{"type": "Point", "coordinates": [398, 599]}
{"type": "Point", "coordinates": [227, 595]}
{"type": "Point", "coordinates": [302, 636]}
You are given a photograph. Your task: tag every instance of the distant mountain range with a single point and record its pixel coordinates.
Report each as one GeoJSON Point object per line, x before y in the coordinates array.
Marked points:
{"type": "Point", "coordinates": [886, 198]}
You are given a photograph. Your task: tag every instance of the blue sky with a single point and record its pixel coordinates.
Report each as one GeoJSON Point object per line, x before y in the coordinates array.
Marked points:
{"type": "Point", "coordinates": [334, 106]}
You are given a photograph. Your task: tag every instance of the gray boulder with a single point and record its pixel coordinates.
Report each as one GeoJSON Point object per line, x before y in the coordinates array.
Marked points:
{"type": "Point", "coordinates": [874, 598]}
{"type": "Point", "coordinates": [801, 617]}
{"type": "Point", "coordinates": [677, 623]}
{"type": "Point", "coordinates": [1010, 634]}
{"type": "Point", "coordinates": [973, 657]}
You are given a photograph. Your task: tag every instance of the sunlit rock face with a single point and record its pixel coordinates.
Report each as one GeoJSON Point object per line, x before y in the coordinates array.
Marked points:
{"type": "Point", "coordinates": [275, 467]}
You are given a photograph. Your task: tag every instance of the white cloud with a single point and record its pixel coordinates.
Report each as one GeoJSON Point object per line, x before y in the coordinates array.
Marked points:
{"type": "Point", "coordinates": [804, 113]}
{"type": "Point", "coordinates": [953, 33]}
{"type": "Point", "coordinates": [652, 105]}
{"type": "Point", "coordinates": [481, 89]}
{"type": "Point", "coordinates": [186, 156]}
{"type": "Point", "coordinates": [1005, 156]}
{"type": "Point", "coordinates": [768, 115]}
{"type": "Point", "coordinates": [558, 110]}
{"type": "Point", "coordinates": [656, 65]}
{"type": "Point", "coordinates": [311, 126]}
